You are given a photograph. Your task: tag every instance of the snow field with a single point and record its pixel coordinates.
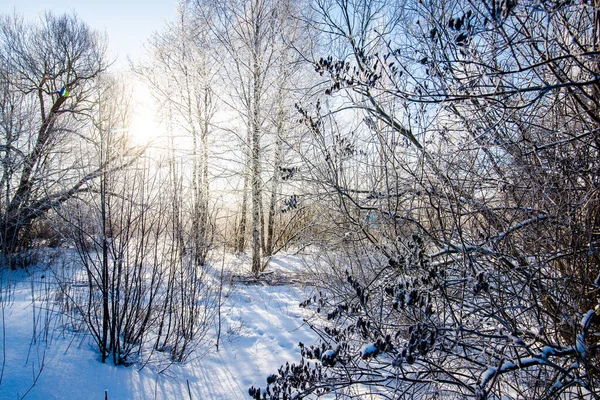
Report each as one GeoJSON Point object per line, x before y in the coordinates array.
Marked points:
{"type": "Point", "coordinates": [261, 328]}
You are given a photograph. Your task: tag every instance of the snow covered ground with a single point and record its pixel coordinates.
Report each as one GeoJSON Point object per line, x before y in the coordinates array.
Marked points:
{"type": "Point", "coordinates": [262, 326]}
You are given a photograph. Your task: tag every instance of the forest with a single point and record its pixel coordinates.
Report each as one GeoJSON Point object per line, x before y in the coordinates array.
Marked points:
{"type": "Point", "coordinates": [431, 166]}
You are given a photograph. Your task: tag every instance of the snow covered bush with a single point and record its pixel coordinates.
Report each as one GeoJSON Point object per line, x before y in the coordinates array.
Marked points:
{"type": "Point", "coordinates": [464, 182]}
{"type": "Point", "coordinates": [424, 325]}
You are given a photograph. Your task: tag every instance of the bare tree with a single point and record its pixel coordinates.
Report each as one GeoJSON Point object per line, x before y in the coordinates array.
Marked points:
{"type": "Point", "coordinates": [260, 38]}
{"type": "Point", "coordinates": [246, 30]}
{"type": "Point", "coordinates": [291, 83]}
{"type": "Point", "coordinates": [47, 76]}
{"type": "Point", "coordinates": [182, 75]}
{"type": "Point", "coordinates": [136, 289]}
{"type": "Point", "coordinates": [464, 189]}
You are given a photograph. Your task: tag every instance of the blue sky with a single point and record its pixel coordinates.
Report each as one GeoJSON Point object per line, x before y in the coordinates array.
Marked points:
{"type": "Point", "coordinates": [128, 23]}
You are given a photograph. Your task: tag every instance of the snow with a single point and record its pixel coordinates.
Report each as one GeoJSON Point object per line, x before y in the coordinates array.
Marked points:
{"type": "Point", "coordinates": [328, 357]}
{"type": "Point", "coordinates": [580, 345]}
{"type": "Point", "coordinates": [262, 326]}
{"type": "Point", "coordinates": [328, 354]}
{"type": "Point", "coordinates": [368, 350]}
{"type": "Point", "coordinates": [548, 351]}
{"type": "Point", "coordinates": [488, 375]}
{"type": "Point", "coordinates": [556, 386]}
{"type": "Point", "coordinates": [586, 320]}
{"type": "Point", "coordinates": [508, 365]}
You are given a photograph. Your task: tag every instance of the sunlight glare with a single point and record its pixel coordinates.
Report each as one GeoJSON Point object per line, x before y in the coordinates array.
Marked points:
{"type": "Point", "coordinates": [145, 127]}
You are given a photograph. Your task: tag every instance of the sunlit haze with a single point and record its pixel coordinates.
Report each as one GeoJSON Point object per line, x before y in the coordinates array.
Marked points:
{"type": "Point", "coordinates": [128, 26]}
{"type": "Point", "coordinates": [145, 125]}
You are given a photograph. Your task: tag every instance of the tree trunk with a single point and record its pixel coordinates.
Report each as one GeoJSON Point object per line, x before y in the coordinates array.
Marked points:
{"type": "Point", "coordinates": [105, 304]}
{"type": "Point", "coordinates": [256, 189]}
{"type": "Point", "coordinates": [241, 239]}
{"type": "Point", "coordinates": [203, 184]}
{"type": "Point", "coordinates": [256, 193]}
{"type": "Point", "coordinates": [273, 197]}
{"type": "Point", "coordinates": [262, 224]}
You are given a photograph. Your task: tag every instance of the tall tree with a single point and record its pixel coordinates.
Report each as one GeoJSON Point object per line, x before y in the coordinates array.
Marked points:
{"type": "Point", "coordinates": [247, 30]}
{"type": "Point", "coordinates": [182, 75]}
{"type": "Point", "coordinates": [48, 73]}
{"type": "Point", "coordinates": [290, 83]}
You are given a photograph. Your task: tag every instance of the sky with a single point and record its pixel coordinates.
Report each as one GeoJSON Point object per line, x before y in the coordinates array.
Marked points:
{"type": "Point", "coordinates": [128, 23]}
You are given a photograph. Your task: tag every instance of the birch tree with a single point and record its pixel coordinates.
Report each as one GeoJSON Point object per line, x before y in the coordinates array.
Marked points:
{"type": "Point", "coordinates": [182, 75]}
{"type": "Point", "coordinates": [247, 32]}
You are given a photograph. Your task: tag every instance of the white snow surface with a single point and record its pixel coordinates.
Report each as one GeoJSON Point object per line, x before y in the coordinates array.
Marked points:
{"type": "Point", "coordinates": [328, 354]}
{"type": "Point", "coordinates": [368, 350]}
{"type": "Point", "coordinates": [262, 326]}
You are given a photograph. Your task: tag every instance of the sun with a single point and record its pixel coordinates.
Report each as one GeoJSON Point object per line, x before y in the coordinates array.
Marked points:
{"type": "Point", "coordinates": [145, 126]}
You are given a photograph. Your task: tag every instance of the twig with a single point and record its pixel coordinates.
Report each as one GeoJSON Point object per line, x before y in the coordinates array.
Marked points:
{"type": "Point", "coordinates": [188, 387]}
